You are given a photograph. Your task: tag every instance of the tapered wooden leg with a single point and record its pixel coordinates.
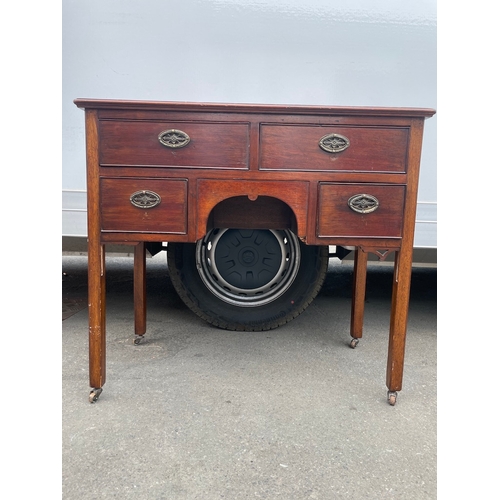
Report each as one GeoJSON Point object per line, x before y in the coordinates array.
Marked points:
{"type": "Point", "coordinates": [140, 290]}
{"type": "Point", "coordinates": [399, 320]}
{"type": "Point", "coordinates": [358, 295]}
{"type": "Point", "coordinates": [97, 318]}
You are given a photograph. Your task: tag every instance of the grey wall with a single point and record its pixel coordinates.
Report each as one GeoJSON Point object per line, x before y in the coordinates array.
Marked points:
{"type": "Point", "coordinates": [327, 52]}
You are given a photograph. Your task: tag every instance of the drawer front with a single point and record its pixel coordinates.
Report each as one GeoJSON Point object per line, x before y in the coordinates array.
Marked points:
{"type": "Point", "coordinates": [144, 205]}
{"type": "Point", "coordinates": [360, 210]}
{"type": "Point", "coordinates": [332, 148]}
{"type": "Point", "coordinates": [174, 144]}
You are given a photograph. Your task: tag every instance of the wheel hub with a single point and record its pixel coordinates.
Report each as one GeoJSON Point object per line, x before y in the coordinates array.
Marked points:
{"type": "Point", "coordinates": [248, 267]}
{"type": "Point", "coordinates": [248, 257]}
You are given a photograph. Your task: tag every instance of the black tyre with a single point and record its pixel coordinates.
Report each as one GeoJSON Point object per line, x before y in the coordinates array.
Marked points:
{"type": "Point", "coordinates": [248, 280]}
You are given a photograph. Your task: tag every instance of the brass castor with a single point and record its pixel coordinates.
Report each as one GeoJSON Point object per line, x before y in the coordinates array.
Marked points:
{"type": "Point", "coordinates": [354, 343]}
{"type": "Point", "coordinates": [138, 339]}
{"type": "Point", "coordinates": [391, 397]}
{"type": "Point", "coordinates": [94, 395]}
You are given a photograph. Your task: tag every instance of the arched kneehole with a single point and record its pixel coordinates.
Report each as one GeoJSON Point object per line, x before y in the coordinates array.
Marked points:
{"type": "Point", "coordinates": [241, 212]}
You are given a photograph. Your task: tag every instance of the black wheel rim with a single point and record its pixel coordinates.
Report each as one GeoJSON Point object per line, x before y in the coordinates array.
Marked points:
{"type": "Point", "coordinates": [248, 267]}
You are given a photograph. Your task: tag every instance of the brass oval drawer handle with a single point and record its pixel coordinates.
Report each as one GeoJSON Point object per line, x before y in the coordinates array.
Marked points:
{"type": "Point", "coordinates": [145, 199]}
{"type": "Point", "coordinates": [174, 138]}
{"type": "Point", "coordinates": [363, 203]}
{"type": "Point", "coordinates": [334, 143]}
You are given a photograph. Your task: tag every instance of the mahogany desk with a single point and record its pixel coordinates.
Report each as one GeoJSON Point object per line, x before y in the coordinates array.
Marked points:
{"type": "Point", "coordinates": [347, 175]}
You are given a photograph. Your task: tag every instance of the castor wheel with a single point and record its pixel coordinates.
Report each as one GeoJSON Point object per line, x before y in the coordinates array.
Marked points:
{"type": "Point", "coordinates": [138, 339]}
{"type": "Point", "coordinates": [391, 397]}
{"type": "Point", "coordinates": [354, 343]}
{"type": "Point", "coordinates": [94, 395]}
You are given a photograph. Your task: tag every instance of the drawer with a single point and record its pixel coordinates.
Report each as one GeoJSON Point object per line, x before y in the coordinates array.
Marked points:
{"type": "Point", "coordinates": [360, 149]}
{"type": "Point", "coordinates": [144, 205]}
{"type": "Point", "coordinates": [174, 144]}
{"type": "Point", "coordinates": [377, 210]}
